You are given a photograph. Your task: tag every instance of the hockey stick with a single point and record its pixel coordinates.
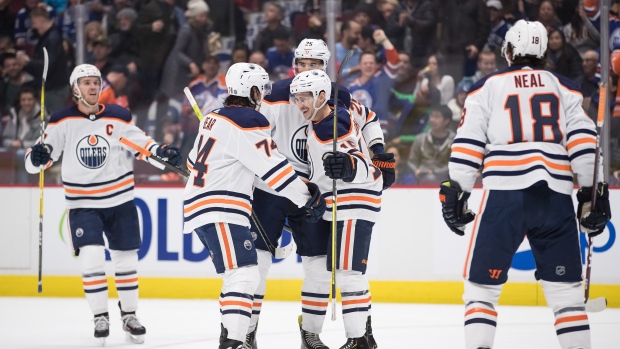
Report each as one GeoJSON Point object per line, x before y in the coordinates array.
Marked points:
{"type": "Point", "coordinates": [334, 193]}
{"type": "Point", "coordinates": [278, 252]}
{"type": "Point", "coordinates": [150, 155]}
{"type": "Point", "coordinates": [41, 172]}
{"type": "Point", "coordinates": [600, 303]}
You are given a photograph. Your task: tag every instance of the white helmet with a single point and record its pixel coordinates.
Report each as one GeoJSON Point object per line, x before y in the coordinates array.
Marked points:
{"type": "Point", "coordinates": [241, 77]}
{"type": "Point", "coordinates": [313, 81]}
{"type": "Point", "coordinates": [312, 49]}
{"type": "Point", "coordinates": [527, 39]}
{"type": "Point", "coordinates": [82, 71]}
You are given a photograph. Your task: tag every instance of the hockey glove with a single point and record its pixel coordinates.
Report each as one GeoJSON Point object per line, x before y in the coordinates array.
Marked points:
{"type": "Point", "coordinates": [315, 207]}
{"type": "Point", "coordinates": [40, 154]}
{"type": "Point", "coordinates": [454, 207]}
{"type": "Point", "coordinates": [593, 223]}
{"type": "Point", "coordinates": [170, 154]}
{"type": "Point", "coordinates": [386, 163]}
{"type": "Point", "coordinates": [339, 165]}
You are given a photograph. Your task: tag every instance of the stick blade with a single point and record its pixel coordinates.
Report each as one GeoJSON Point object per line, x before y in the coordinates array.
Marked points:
{"type": "Point", "coordinates": [45, 63]}
{"type": "Point", "coordinates": [596, 305]}
{"type": "Point", "coordinates": [283, 252]}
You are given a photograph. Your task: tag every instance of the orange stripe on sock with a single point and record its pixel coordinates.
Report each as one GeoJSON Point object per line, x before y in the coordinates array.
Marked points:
{"type": "Point", "coordinates": [126, 281]}
{"type": "Point", "coordinates": [315, 304]}
{"type": "Point", "coordinates": [237, 303]}
{"type": "Point", "coordinates": [570, 319]}
{"type": "Point", "coordinates": [95, 282]}
{"type": "Point", "coordinates": [481, 310]}
{"type": "Point", "coordinates": [356, 301]}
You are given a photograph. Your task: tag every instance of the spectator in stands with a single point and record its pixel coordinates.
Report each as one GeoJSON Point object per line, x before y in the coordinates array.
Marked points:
{"type": "Point", "coordinates": [56, 91]}
{"type": "Point", "coordinates": [430, 152]}
{"type": "Point", "coordinates": [25, 34]}
{"type": "Point", "coordinates": [486, 65]}
{"type": "Point", "coordinates": [228, 19]}
{"type": "Point", "coordinates": [457, 103]}
{"type": "Point", "coordinates": [350, 33]}
{"type": "Point", "coordinates": [404, 172]}
{"type": "Point", "coordinates": [499, 26]}
{"type": "Point", "coordinates": [315, 28]}
{"type": "Point", "coordinates": [580, 32]}
{"type": "Point", "coordinates": [362, 14]}
{"type": "Point", "coordinates": [111, 17]}
{"type": "Point", "coordinates": [157, 26]}
{"type": "Point", "coordinates": [66, 20]}
{"type": "Point", "coordinates": [434, 74]}
{"type": "Point", "coordinates": [7, 19]}
{"type": "Point", "coordinates": [209, 90]}
{"type": "Point", "coordinates": [588, 82]}
{"type": "Point", "coordinates": [14, 79]}
{"type": "Point", "coordinates": [240, 53]}
{"type": "Point", "coordinates": [562, 58]}
{"type": "Point", "coordinates": [372, 87]}
{"type": "Point", "coordinates": [188, 53]}
{"type": "Point", "coordinates": [69, 49]}
{"type": "Point", "coordinates": [273, 14]}
{"type": "Point", "coordinates": [422, 20]}
{"type": "Point", "coordinates": [92, 31]}
{"type": "Point", "coordinates": [465, 29]}
{"type": "Point", "coordinates": [547, 16]}
{"type": "Point", "coordinates": [414, 115]}
{"type": "Point", "coordinates": [22, 127]}
{"type": "Point", "coordinates": [113, 86]}
{"type": "Point", "coordinates": [366, 43]}
{"type": "Point", "coordinates": [259, 58]}
{"type": "Point", "coordinates": [406, 80]}
{"type": "Point", "coordinates": [281, 54]}
{"type": "Point", "coordinates": [6, 44]}
{"type": "Point", "coordinates": [101, 55]}
{"type": "Point", "coordinates": [394, 25]}
{"type": "Point", "coordinates": [125, 43]}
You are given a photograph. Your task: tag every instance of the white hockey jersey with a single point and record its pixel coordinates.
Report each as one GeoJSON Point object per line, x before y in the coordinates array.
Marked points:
{"type": "Point", "coordinates": [359, 199]}
{"type": "Point", "coordinates": [97, 170]}
{"type": "Point", "coordinates": [289, 129]}
{"type": "Point", "coordinates": [232, 147]}
{"type": "Point", "coordinates": [369, 123]}
{"type": "Point", "coordinates": [527, 125]}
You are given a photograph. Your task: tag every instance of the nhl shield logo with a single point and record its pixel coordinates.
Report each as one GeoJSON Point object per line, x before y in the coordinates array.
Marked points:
{"type": "Point", "coordinates": [92, 151]}
{"type": "Point", "coordinates": [247, 244]}
{"type": "Point", "coordinates": [298, 144]}
{"type": "Point", "coordinates": [79, 232]}
{"type": "Point", "coordinates": [560, 270]}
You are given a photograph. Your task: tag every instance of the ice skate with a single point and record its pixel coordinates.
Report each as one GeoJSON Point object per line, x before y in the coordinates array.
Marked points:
{"type": "Point", "coordinates": [134, 330]}
{"type": "Point", "coordinates": [102, 328]}
{"type": "Point", "coordinates": [226, 343]}
{"type": "Point", "coordinates": [310, 340]}
{"type": "Point", "coordinates": [356, 343]}
{"type": "Point", "coordinates": [250, 339]}
{"type": "Point", "coordinates": [372, 344]}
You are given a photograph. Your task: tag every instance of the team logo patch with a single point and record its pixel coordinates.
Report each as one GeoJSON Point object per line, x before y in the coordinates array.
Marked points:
{"type": "Point", "coordinates": [79, 232]}
{"type": "Point", "coordinates": [92, 151]}
{"type": "Point", "coordinates": [253, 235]}
{"type": "Point", "coordinates": [560, 270]}
{"type": "Point", "coordinates": [247, 244]}
{"type": "Point", "coordinates": [299, 143]}
{"type": "Point", "coordinates": [363, 97]}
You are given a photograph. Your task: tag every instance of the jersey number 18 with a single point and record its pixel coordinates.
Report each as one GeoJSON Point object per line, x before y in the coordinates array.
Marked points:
{"type": "Point", "coordinates": [543, 113]}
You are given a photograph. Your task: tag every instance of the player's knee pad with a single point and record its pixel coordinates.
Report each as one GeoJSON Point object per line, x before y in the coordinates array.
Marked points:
{"type": "Point", "coordinates": [560, 295]}
{"type": "Point", "coordinates": [92, 259]}
{"type": "Point", "coordinates": [264, 262]}
{"type": "Point", "coordinates": [481, 293]}
{"type": "Point", "coordinates": [351, 281]}
{"type": "Point", "coordinates": [124, 260]}
{"type": "Point", "coordinates": [314, 268]}
{"type": "Point", "coordinates": [243, 280]}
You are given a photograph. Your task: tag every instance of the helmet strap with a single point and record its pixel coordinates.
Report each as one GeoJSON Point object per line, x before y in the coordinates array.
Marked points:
{"type": "Point", "coordinates": [316, 109]}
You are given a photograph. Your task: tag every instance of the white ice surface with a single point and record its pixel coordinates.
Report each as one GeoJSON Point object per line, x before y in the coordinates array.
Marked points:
{"type": "Point", "coordinates": [66, 323]}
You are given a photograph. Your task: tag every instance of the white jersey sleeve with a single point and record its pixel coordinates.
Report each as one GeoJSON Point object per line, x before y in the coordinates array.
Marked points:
{"type": "Point", "coordinates": [369, 123]}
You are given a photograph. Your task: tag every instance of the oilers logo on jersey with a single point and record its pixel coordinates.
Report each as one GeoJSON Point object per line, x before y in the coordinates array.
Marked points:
{"type": "Point", "coordinates": [92, 151]}
{"type": "Point", "coordinates": [299, 143]}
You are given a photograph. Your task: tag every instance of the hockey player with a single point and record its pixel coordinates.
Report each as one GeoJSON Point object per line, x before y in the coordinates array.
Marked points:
{"type": "Point", "coordinates": [528, 126]}
{"type": "Point", "coordinates": [289, 131]}
{"type": "Point", "coordinates": [97, 174]}
{"type": "Point", "coordinates": [359, 199]}
{"type": "Point", "coordinates": [234, 146]}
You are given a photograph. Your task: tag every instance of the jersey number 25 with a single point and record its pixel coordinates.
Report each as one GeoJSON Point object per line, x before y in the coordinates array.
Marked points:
{"type": "Point", "coordinates": [543, 115]}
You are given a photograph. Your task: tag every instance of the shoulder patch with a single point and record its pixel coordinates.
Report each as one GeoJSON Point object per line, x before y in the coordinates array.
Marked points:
{"type": "Point", "coordinates": [344, 96]}
{"type": "Point", "coordinates": [324, 130]}
{"type": "Point", "coordinates": [244, 118]}
{"type": "Point", "coordinates": [280, 91]}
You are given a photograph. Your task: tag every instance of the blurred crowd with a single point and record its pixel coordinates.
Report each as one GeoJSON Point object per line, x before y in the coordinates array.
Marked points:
{"type": "Point", "coordinates": [149, 50]}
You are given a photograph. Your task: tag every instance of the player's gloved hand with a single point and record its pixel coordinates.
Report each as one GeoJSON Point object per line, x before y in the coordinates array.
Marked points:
{"type": "Point", "coordinates": [386, 163]}
{"type": "Point", "coordinates": [339, 165]}
{"type": "Point", "coordinates": [593, 223]}
{"type": "Point", "coordinates": [315, 207]}
{"type": "Point", "coordinates": [454, 207]}
{"type": "Point", "coordinates": [170, 154]}
{"type": "Point", "coordinates": [40, 154]}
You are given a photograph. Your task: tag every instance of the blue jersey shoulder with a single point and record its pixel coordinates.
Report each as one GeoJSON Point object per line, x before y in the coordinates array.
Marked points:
{"type": "Point", "coordinates": [280, 91]}
{"type": "Point", "coordinates": [65, 113]}
{"type": "Point", "coordinates": [245, 118]}
{"type": "Point", "coordinates": [566, 82]}
{"type": "Point", "coordinates": [115, 111]}
{"type": "Point", "coordinates": [478, 84]}
{"type": "Point", "coordinates": [344, 96]}
{"type": "Point", "coordinates": [324, 129]}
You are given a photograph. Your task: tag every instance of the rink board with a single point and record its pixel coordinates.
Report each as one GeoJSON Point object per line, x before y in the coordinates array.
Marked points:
{"type": "Point", "coordinates": [414, 257]}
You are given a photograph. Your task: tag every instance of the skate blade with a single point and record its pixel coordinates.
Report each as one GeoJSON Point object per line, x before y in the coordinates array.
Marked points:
{"type": "Point", "coordinates": [596, 305]}
{"type": "Point", "coordinates": [137, 339]}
